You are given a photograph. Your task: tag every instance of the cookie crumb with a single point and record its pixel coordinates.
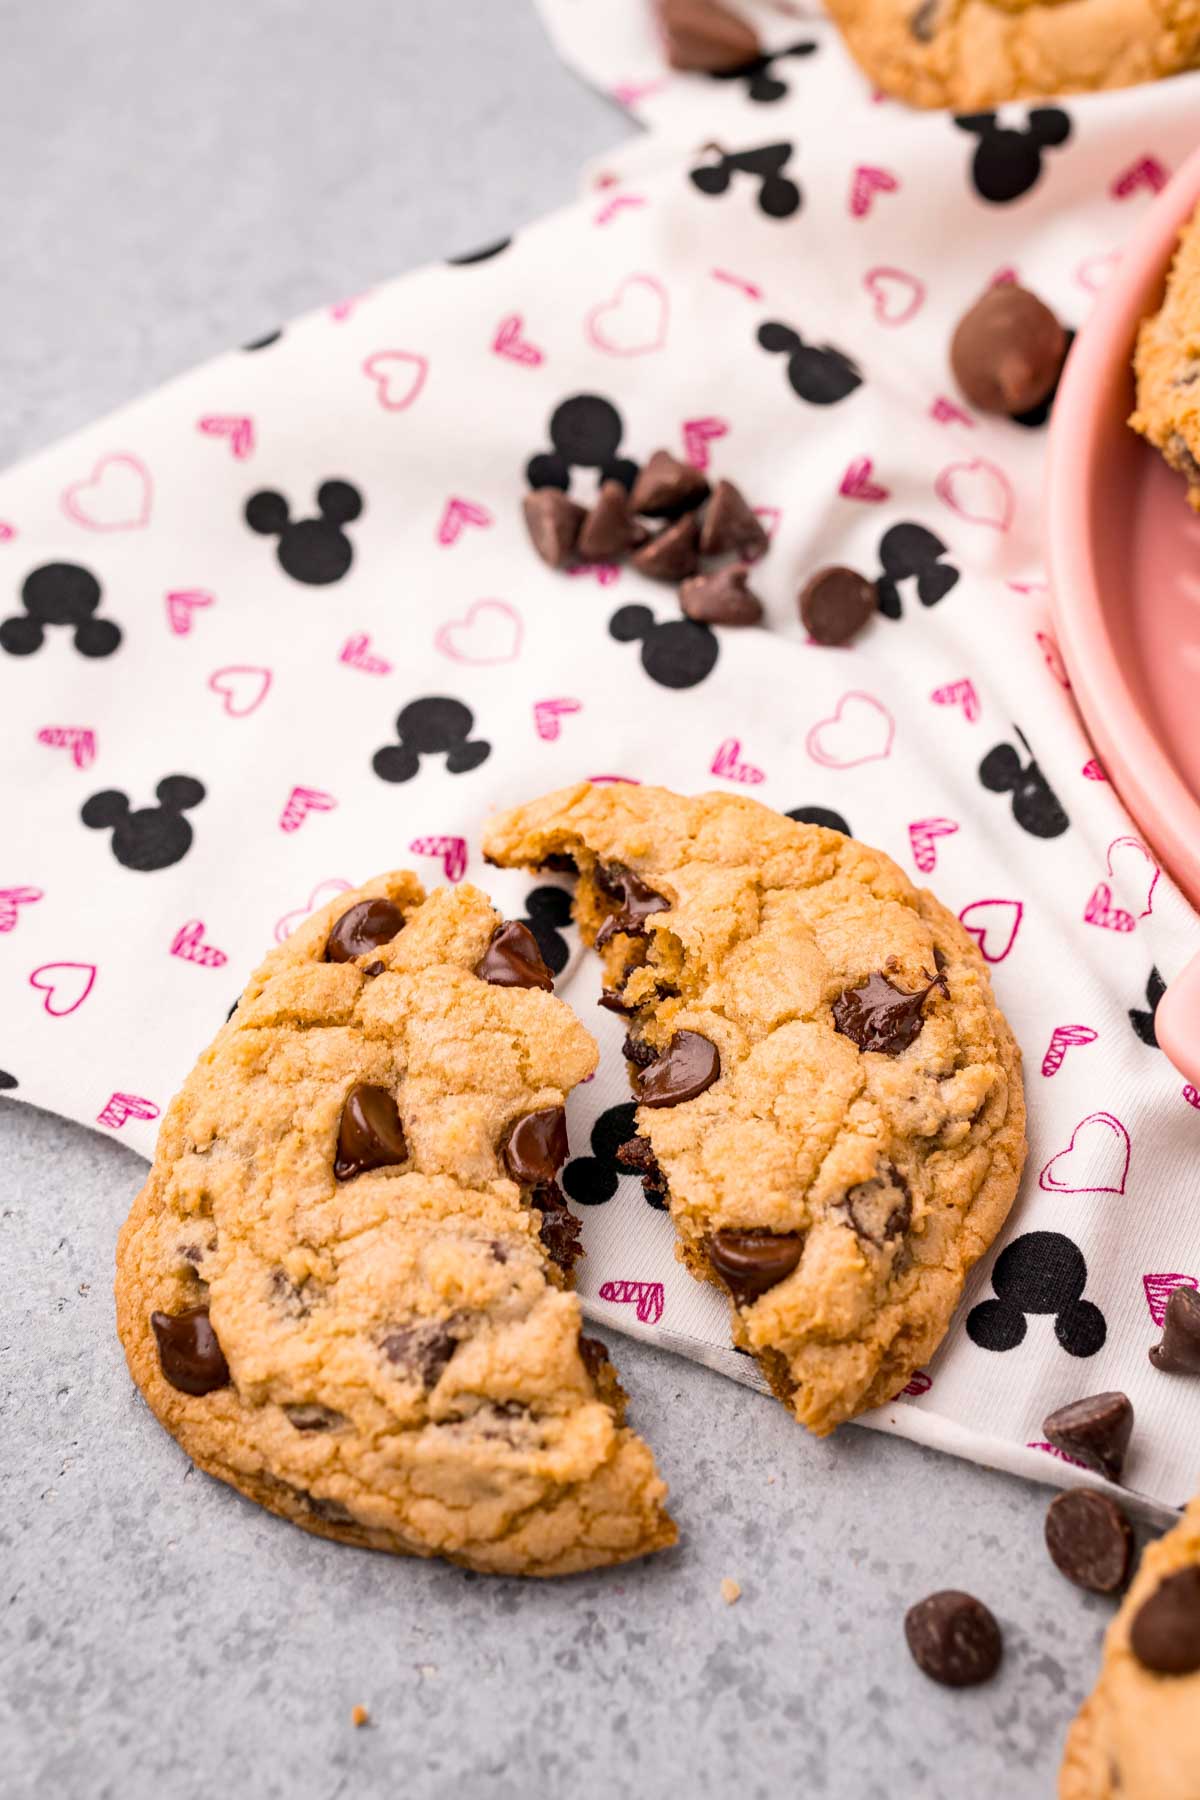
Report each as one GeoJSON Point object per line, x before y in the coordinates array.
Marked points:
{"type": "Point", "coordinates": [731, 1590]}
{"type": "Point", "coordinates": [359, 1717]}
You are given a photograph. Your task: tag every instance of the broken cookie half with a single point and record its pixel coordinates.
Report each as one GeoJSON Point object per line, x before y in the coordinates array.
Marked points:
{"type": "Point", "coordinates": [830, 1098]}
{"type": "Point", "coordinates": [344, 1286]}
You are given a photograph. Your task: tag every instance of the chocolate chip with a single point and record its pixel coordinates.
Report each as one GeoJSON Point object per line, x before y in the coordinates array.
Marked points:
{"type": "Point", "coordinates": [560, 860]}
{"type": "Point", "coordinates": [671, 556]}
{"type": "Point", "coordinates": [610, 529]}
{"type": "Point", "coordinates": [189, 1355]}
{"type": "Point", "coordinates": [314, 1417]}
{"type": "Point", "coordinates": [1096, 1431]}
{"type": "Point", "coordinates": [374, 968]}
{"type": "Point", "coordinates": [422, 1350]}
{"type": "Point", "coordinates": [1007, 352]}
{"type": "Point", "coordinates": [366, 926]}
{"type": "Point", "coordinates": [705, 37]}
{"type": "Point", "coordinates": [953, 1638]}
{"type": "Point", "coordinates": [1090, 1540]}
{"type": "Point", "coordinates": [752, 1262]}
{"type": "Point", "coordinates": [667, 488]}
{"type": "Point", "coordinates": [1165, 1633]}
{"type": "Point", "coordinates": [611, 1000]}
{"type": "Point", "coordinates": [1179, 1352]}
{"type": "Point", "coordinates": [835, 603]}
{"type": "Point", "coordinates": [536, 1147]}
{"type": "Point", "coordinates": [637, 1156]}
{"type": "Point", "coordinates": [880, 1017]}
{"type": "Point", "coordinates": [636, 1050]}
{"type": "Point", "coordinates": [688, 1065]}
{"type": "Point", "coordinates": [638, 902]}
{"type": "Point", "coordinates": [1180, 457]}
{"type": "Point", "coordinates": [331, 1510]}
{"type": "Point", "coordinates": [721, 598]}
{"type": "Point", "coordinates": [554, 524]}
{"type": "Point", "coordinates": [370, 1135]}
{"type": "Point", "coordinates": [594, 1354]}
{"type": "Point", "coordinates": [923, 22]}
{"type": "Point", "coordinates": [560, 1230]}
{"type": "Point", "coordinates": [880, 1210]}
{"type": "Point", "coordinates": [512, 959]}
{"type": "Point", "coordinates": [729, 524]}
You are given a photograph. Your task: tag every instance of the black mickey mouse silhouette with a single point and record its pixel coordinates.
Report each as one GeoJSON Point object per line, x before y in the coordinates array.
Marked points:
{"type": "Point", "coordinates": [478, 256]}
{"type": "Point", "coordinates": [547, 909]}
{"type": "Point", "coordinates": [778, 196]}
{"type": "Point", "coordinates": [908, 550]}
{"type": "Point", "coordinates": [586, 433]}
{"type": "Point", "coordinates": [818, 373]}
{"type": "Point", "coordinates": [591, 1180]}
{"type": "Point", "coordinates": [1042, 1272]}
{"type": "Point", "coordinates": [1143, 1022]}
{"type": "Point", "coordinates": [1035, 805]}
{"type": "Point", "coordinates": [678, 654]}
{"type": "Point", "coordinates": [153, 837]}
{"type": "Point", "coordinates": [60, 594]}
{"type": "Point", "coordinates": [427, 728]}
{"type": "Point", "coordinates": [762, 83]}
{"type": "Point", "coordinates": [7, 1081]}
{"type": "Point", "coordinates": [315, 551]}
{"type": "Point", "coordinates": [1007, 161]}
{"type": "Point", "coordinates": [819, 815]}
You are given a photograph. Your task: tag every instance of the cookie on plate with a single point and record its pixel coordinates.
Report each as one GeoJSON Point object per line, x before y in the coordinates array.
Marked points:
{"type": "Point", "coordinates": [344, 1286]}
{"type": "Point", "coordinates": [976, 53]}
{"type": "Point", "coordinates": [831, 1100]}
{"type": "Point", "coordinates": [1167, 366]}
{"type": "Point", "coordinates": [1137, 1734]}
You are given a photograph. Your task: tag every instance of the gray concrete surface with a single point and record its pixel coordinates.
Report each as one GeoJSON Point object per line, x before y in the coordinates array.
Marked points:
{"type": "Point", "coordinates": [175, 179]}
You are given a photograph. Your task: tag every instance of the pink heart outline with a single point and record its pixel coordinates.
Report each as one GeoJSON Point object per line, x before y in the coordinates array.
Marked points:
{"type": "Point", "coordinates": [51, 987]}
{"type": "Point", "coordinates": [612, 307]}
{"type": "Point", "coordinates": [1158, 1290]}
{"type": "Point", "coordinates": [1101, 911]}
{"type": "Point", "coordinates": [1117, 1146]}
{"type": "Point", "coordinates": [451, 850]}
{"type": "Point", "coordinates": [884, 281]}
{"type": "Point", "coordinates": [232, 689]}
{"type": "Point", "coordinates": [322, 894]}
{"type": "Point", "coordinates": [646, 1295]}
{"type": "Point", "coordinates": [356, 654]}
{"type": "Point", "coordinates": [1093, 770]}
{"type": "Point", "coordinates": [382, 365]}
{"type": "Point", "coordinates": [444, 636]}
{"type": "Point", "coordinates": [1135, 843]}
{"type": "Point", "coordinates": [72, 495]}
{"type": "Point", "coordinates": [949, 485]}
{"type": "Point", "coordinates": [1053, 658]}
{"type": "Point", "coordinates": [1146, 172]}
{"type": "Point", "coordinates": [735, 281]}
{"type": "Point", "coordinates": [812, 742]}
{"type": "Point", "coordinates": [981, 929]}
{"type": "Point", "coordinates": [948, 412]}
{"type": "Point", "coordinates": [619, 203]}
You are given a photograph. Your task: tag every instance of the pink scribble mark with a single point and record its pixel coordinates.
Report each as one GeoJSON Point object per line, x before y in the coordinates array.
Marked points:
{"type": "Point", "coordinates": [242, 688]}
{"type": "Point", "coordinates": [735, 281]}
{"type": "Point", "coordinates": [1191, 1096]}
{"type": "Point", "coordinates": [959, 693]}
{"type": "Point", "coordinates": [1096, 1161]}
{"type": "Point", "coordinates": [7, 532]}
{"type": "Point", "coordinates": [302, 801]}
{"type": "Point", "coordinates": [698, 434]}
{"type": "Point", "coordinates": [865, 183]}
{"type": "Point", "coordinates": [603, 572]}
{"type": "Point", "coordinates": [1053, 1450]}
{"type": "Point", "coordinates": [181, 604]}
{"type": "Point", "coordinates": [548, 714]}
{"type": "Point", "coordinates": [1094, 770]}
{"type": "Point", "coordinates": [1061, 1039]}
{"type": "Point", "coordinates": [727, 762]}
{"type": "Point", "coordinates": [647, 1295]}
{"type": "Point", "coordinates": [860, 731]}
{"type": "Point", "coordinates": [509, 343]}
{"type": "Point", "coordinates": [76, 738]}
{"type": "Point", "coordinates": [341, 310]}
{"type": "Point", "coordinates": [923, 835]}
{"type": "Point", "coordinates": [1141, 871]}
{"type": "Point", "coordinates": [321, 895]}
{"type": "Point", "coordinates": [189, 946]}
{"type": "Point", "coordinates": [628, 93]}
{"type": "Point", "coordinates": [1147, 173]}
{"type": "Point", "coordinates": [121, 1107]}
{"type": "Point", "coordinates": [856, 483]}
{"type": "Point", "coordinates": [1004, 277]}
{"type": "Point", "coordinates": [458, 514]}
{"type": "Point", "coordinates": [399, 376]}
{"type": "Point", "coordinates": [618, 204]}
{"type": "Point", "coordinates": [994, 925]}
{"type": "Point", "coordinates": [356, 653]}
{"type": "Point", "coordinates": [1159, 1288]}
{"type": "Point", "coordinates": [491, 632]}
{"type": "Point", "coordinates": [66, 986]}
{"type": "Point", "coordinates": [634, 321]}
{"type": "Point", "coordinates": [1101, 911]}
{"type": "Point", "coordinates": [116, 496]}
{"type": "Point", "coordinates": [13, 898]}
{"type": "Point", "coordinates": [1052, 656]}
{"type": "Point", "coordinates": [917, 1384]}
{"type": "Point", "coordinates": [895, 295]}
{"type": "Point", "coordinates": [948, 412]}
{"type": "Point", "coordinates": [977, 491]}
{"type": "Point", "coordinates": [237, 430]}
{"type": "Point", "coordinates": [452, 850]}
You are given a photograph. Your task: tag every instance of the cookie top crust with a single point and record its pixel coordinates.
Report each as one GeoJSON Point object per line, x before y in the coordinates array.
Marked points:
{"type": "Point", "coordinates": [1167, 366]}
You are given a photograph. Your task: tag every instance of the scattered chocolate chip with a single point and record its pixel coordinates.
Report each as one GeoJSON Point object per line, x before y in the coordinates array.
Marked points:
{"type": "Point", "coordinates": [1095, 1431]}
{"type": "Point", "coordinates": [1179, 1352]}
{"type": "Point", "coordinates": [953, 1638]}
{"type": "Point", "coordinates": [688, 1065]}
{"type": "Point", "coordinates": [667, 488]}
{"type": "Point", "coordinates": [512, 959]}
{"type": "Point", "coordinates": [636, 1050]}
{"type": "Point", "coordinates": [1007, 352]}
{"type": "Point", "coordinates": [422, 1350]}
{"type": "Point", "coordinates": [729, 524]}
{"type": "Point", "coordinates": [594, 1354]}
{"type": "Point", "coordinates": [370, 1135]}
{"type": "Point", "coordinates": [1165, 1633]}
{"type": "Point", "coordinates": [880, 1210]}
{"type": "Point", "coordinates": [610, 529]}
{"type": "Point", "coordinates": [880, 1017]}
{"type": "Point", "coordinates": [189, 1355]}
{"type": "Point", "coordinates": [314, 1417]}
{"type": "Point", "coordinates": [554, 524]}
{"type": "Point", "coordinates": [835, 603]}
{"type": "Point", "coordinates": [1090, 1540]}
{"type": "Point", "coordinates": [536, 1147]}
{"type": "Point", "coordinates": [638, 901]}
{"type": "Point", "coordinates": [363, 928]}
{"type": "Point", "coordinates": [752, 1262]}
{"type": "Point", "coordinates": [374, 968]}
{"type": "Point", "coordinates": [705, 37]}
{"type": "Point", "coordinates": [560, 1230]}
{"type": "Point", "coordinates": [721, 598]}
{"type": "Point", "coordinates": [672, 554]}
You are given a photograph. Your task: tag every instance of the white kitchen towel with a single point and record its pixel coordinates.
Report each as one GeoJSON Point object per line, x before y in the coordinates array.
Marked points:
{"type": "Point", "coordinates": [224, 604]}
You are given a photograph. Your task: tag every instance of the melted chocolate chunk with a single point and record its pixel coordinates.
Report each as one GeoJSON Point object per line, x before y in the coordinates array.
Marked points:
{"type": "Point", "coordinates": [637, 1156]}
{"type": "Point", "coordinates": [688, 1065]}
{"type": "Point", "coordinates": [611, 1001]}
{"type": "Point", "coordinates": [636, 1050]}
{"type": "Point", "coordinates": [314, 1417]}
{"type": "Point", "coordinates": [752, 1262]}
{"type": "Point", "coordinates": [594, 1354]}
{"type": "Point", "coordinates": [1165, 1633]}
{"type": "Point", "coordinates": [879, 1016]}
{"type": "Point", "coordinates": [512, 959]}
{"type": "Point", "coordinates": [422, 1350]}
{"type": "Point", "coordinates": [880, 1210]}
{"type": "Point", "coordinates": [370, 1135]}
{"type": "Point", "coordinates": [362, 929]}
{"type": "Point", "coordinates": [1179, 1352]}
{"type": "Point", "coordinates": [560, 1229]}
{"type": "Point", "coordinates": [638, 902]}
{"type": "Point", "coordinates": [1090, 1540]}
{"type": "Point", "coordinates": [560, 860]}
{"type": "Point", "coordinates": [536, 1147]}
{"type": "Point", "coordinates": [954, 1639]}
{"type": "Point", "coordinates": [1096, 1431]}
{"type": "Point", "coordinates": [189, 1355]}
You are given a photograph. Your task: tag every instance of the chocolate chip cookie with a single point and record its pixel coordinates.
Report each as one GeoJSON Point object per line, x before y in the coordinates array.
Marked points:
{"type": "Point", "coordinates": [1136, 1736]}
{"type": "Point", "coordinates": [344, 1285]}
{"type": "Point", "coordinates": [831, 1101]}
{"type": "Point", "coordinates": [1167, 366]}
{"type": "Point", "coordinates": [974, 53]}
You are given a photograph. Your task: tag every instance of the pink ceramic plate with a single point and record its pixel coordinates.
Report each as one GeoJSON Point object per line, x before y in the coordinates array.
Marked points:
{"type": "Point", "coordinates": [1124, 555]}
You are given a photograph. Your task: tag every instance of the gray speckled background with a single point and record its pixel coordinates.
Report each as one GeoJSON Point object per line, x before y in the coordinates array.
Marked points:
{"type": "Point", "coordinates": [178, 178]}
